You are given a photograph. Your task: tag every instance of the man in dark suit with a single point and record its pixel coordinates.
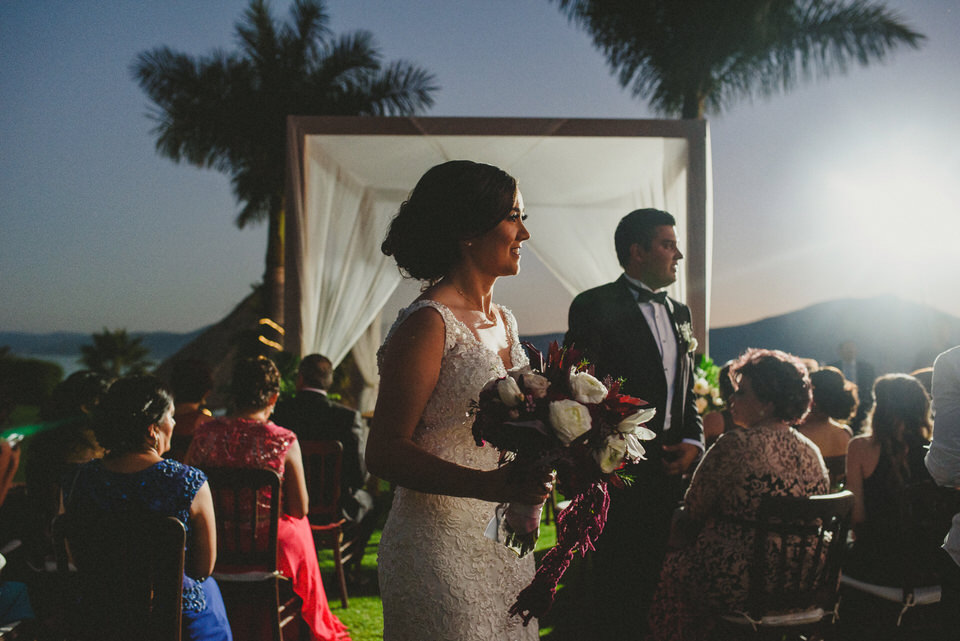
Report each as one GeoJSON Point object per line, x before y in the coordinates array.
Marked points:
{"type": "Point", "coordinates": [629, 329]}
{"type": "Point", "coordinates": [312, 416]}
{"type": "Point", "coordinates": [860, 372]}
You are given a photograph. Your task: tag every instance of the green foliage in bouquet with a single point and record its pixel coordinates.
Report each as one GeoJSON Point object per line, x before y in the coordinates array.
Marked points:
{"type": "Point", "coordinates": [706, 386]}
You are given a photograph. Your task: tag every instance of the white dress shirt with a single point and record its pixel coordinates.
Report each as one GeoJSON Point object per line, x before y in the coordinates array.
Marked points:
{"type": "Point", "coordinates": [943, 459]}
{"type": "Point", "coordinates": [658, 320]}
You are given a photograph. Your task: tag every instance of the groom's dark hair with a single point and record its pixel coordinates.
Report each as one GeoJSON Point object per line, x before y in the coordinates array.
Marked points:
{"type": "Point", "coordinates": [639, 226]}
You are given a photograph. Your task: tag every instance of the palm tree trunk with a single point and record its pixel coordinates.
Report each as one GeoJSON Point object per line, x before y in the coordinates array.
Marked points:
{"type": "Point", "coordinates": [273, 277]}
{"type": "Point", "coordinates": [693, 105]}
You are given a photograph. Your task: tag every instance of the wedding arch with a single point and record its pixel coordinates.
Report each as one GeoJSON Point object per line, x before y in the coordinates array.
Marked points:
{"type": "Point", "coordinates": [348, 175]}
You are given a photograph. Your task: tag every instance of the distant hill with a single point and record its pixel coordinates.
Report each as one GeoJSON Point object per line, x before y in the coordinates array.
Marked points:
{"type": "Point", "coordinates": [894, 335]}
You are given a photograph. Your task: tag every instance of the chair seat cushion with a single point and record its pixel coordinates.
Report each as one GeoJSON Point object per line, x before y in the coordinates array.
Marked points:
{"type": "Point", "coordinates": [923, 595]}
{"type": "Point", "coordinates": [803, 617]}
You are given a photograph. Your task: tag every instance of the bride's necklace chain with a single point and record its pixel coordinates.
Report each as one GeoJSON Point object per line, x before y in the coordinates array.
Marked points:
{"type": "Point", "coordinates": [490, 316]}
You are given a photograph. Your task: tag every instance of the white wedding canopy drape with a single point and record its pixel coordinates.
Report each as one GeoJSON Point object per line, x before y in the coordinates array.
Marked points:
{"type": "Point", "coordinates": [348, 175]}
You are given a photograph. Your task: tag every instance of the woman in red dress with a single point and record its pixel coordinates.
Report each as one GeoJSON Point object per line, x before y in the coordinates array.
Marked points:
{"type": "Point", "coordinates": [246, 438]}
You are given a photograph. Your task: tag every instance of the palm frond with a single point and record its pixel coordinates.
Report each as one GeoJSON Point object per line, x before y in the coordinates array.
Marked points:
{"type": "Point", "coordinates": [683, 53]}
{"type": "Point", "coordinates": [347, 59]}
{"type": "Point", "coordinates": [257, 34]}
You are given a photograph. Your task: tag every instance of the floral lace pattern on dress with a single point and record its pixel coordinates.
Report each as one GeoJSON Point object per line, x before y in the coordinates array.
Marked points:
{"type": "Point", "coordinates": [742, 467]}
{"type": "Point", "coordinates": [440, 578]}
{"type": "Point", "coordinates": [166, 488]}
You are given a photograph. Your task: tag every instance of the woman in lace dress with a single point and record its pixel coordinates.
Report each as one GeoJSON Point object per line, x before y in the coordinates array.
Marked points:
{"type": "Point", "coordinates": [765, 457]}
{"type": "Point", "coordinates": [440, 578]}
{"type": "Point", "coordinates": [135, 423]}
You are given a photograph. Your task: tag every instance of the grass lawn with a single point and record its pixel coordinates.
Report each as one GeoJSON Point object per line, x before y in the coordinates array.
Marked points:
{"type": "Point", "coordinates": [364, 617]}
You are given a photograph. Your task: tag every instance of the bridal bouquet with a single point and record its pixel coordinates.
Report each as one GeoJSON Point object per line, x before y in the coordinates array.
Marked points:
{"type": "Point", "coordinates": [557, 415]}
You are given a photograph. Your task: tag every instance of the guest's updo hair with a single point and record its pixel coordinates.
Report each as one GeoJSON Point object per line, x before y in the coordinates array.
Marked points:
{"type": "Point", "coordinates": [123, 418]}
{"type": "Point", "coordinates": [778, 378]}
{"type": "Point", "coordinates": [254, 382]}
{"type": "Point", "coordinates": [452, 202]}
{"type": "Point", "coordinates": [833, 395]}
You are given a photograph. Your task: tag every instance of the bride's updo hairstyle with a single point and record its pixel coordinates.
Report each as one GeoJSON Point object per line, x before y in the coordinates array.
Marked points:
{"type": "Point", "coordinates": [452, 202]}
{"type": "Point", "coordinates": [123, 418]}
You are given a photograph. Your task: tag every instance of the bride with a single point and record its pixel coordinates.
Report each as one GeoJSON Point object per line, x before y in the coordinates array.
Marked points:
{"type": "Point", "coordinates": [440, 578]}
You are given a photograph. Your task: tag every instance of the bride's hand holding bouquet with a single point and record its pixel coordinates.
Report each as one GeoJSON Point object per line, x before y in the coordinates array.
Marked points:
{"type": "Point", "coordinates": [558, 416]}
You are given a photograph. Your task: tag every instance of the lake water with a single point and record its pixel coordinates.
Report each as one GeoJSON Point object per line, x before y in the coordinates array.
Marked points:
{"type": "Point", "coordinates": [69, 362]}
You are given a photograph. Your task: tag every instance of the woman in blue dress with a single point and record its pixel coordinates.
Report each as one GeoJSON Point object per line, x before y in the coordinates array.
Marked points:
{"type": "Point", "coordinates": [135, 423]}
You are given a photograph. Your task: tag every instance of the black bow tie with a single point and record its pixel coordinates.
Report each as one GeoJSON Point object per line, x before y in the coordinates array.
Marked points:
{"type": "Point", "coordinates": [646, 296]}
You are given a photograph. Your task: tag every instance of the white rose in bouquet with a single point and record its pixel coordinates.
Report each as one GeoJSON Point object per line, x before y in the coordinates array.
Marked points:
{"type": "Point", "coordinates": [535, 384]}
{"type": "Point", "coordinates": [509, 392]}
{"type": "Point", "coordinates": [569, 419]}
{"type": "Point", "coordinates": [632, 424]}
{"type": "Point", "coordinates": [585, 388]}
{"type": "Point", "coordinates": [617, 448]}
{"type": "Point", "coordinates": [701, 387]}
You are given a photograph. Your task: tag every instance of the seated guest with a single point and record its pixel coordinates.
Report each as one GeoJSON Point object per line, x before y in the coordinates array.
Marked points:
{"type": "Point", "coordinates": [765, 458]}
{"type": "Point", "coordinates": [925, 376]}
{"type": "Point", "coordinates": [834, 403]}
{"type": "Point", "coordinates": [9, 462]}
{"type": "Point", "coordinates": [717, 423]}
{"type": "Point", "coordinates": [943, 463]}
{"type": "Point", "coordinates": [312, 416]}
{"type": "Point", "coordinates": [191, 382]}
{"type": "Point", "coordinates": [247, 438]}
{"type": "Point", "coordinates": [134, 422]}
{"type": "Point", "coordinates": [53, 454]}
{"type": "Point", "coordinates": [880, 462]}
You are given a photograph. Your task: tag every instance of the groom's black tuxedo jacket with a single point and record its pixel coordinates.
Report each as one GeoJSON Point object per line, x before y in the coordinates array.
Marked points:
{"type": "Point", "coordinates": [607, 325]}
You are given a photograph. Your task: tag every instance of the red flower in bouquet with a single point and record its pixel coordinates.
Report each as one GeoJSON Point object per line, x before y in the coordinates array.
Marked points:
{"type": "Point", "coordinates": [558, 415]}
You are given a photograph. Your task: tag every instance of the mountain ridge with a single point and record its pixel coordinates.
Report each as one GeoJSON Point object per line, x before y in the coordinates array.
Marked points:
{"type": "Point", "coordinates": [893, 334]}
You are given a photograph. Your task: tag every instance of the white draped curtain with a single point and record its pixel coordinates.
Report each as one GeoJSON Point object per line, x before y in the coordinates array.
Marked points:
{"type": "Point", "coordinates": [346, 187]}
{"type": "Point", "coordinates": [344, 278]}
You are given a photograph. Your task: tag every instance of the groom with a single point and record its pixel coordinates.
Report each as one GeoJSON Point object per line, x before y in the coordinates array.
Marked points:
{"type": "Point", "coordinates": [631, 329]}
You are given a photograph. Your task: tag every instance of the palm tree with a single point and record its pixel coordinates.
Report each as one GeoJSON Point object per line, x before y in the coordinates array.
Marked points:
{"type": "Point", "coordinates": [115, 354]}
{"type": "Point", "coordinates": [228, 111]}
{"type": "Point", "coordinates": [690, 56]}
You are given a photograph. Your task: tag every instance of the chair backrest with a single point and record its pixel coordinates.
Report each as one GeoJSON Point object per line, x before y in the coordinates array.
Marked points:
{"type": "Point", "coordinates": [130, 571]}
{"type": "Point", "coordinates": [247, 506]}
{"type": "Point", "coordinates": [926, 514]}
{"type": "Point", "coordinates": [323, 467]}
{"type": "Point", "coordinates": [797, 552]}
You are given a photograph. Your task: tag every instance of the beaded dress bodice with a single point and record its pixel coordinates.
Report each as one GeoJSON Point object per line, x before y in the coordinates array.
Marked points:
{"type": "Point", "coordinates": [166, 488]}
{"type": "Point", "coordinates": [440, 578]}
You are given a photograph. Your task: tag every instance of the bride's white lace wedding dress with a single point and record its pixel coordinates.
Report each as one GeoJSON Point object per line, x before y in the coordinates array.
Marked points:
{"type": "Point", "coordinates": [440, 578]}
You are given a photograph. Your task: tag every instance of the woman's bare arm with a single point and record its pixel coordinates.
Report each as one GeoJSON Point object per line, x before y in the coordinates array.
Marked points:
{"type": "Point", "coordinates": [296, 501]}
{"type": "Point", "coordinates": [408, 376]}
{"type": "Point", "coordinates": [203, 529]}
{"type": "Point", "coordinates": [857, 452]}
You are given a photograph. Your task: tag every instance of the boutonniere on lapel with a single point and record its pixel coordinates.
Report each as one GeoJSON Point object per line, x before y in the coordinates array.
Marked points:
{"type": "Point", "coordinates": [686, 333]}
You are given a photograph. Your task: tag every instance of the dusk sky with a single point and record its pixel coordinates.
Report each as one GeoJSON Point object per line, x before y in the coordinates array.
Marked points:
{"type": "Point", "coordinates": [845, 187]}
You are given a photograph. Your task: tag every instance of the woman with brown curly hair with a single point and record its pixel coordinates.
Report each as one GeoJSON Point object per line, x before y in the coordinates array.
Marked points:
{"type": "Point", "coordinates": [764, 457]}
